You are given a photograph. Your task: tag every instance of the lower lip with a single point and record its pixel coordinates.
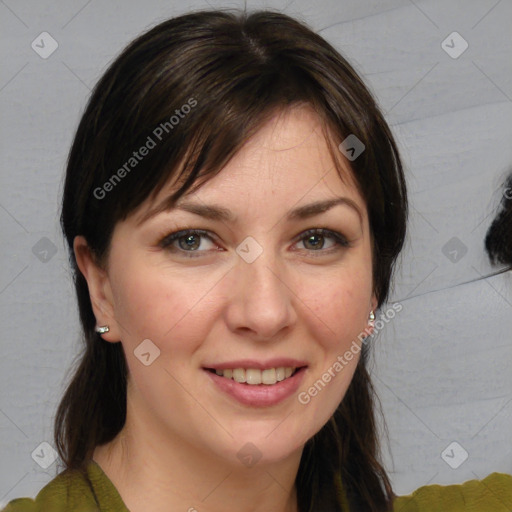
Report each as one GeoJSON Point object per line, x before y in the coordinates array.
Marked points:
{"type": "Point", "coordinates": [259, 395]}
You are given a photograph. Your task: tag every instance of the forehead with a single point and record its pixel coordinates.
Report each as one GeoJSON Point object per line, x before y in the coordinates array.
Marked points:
{"type": "Point", "coordinates": [286, 162]}
{"type": "Point", "coordinates": [294, 139]}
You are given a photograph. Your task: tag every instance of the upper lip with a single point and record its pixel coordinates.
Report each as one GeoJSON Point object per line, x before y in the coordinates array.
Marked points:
{"type": "Point", "coordinates": [260, 365]}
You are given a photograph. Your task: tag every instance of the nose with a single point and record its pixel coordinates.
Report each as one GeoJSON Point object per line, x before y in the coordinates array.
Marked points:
{"type": "Point", "coordinates": [261, 301]}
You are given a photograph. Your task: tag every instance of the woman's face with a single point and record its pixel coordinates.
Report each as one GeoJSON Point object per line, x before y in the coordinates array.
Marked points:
{"type": "Point", "coordinates": [255, 292]}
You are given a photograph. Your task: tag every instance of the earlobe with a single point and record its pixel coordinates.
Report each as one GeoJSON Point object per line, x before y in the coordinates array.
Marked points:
{"type": "Point", "coordinates": [100, 292]}
{"type": "Point", "coordinates": [374, 303]}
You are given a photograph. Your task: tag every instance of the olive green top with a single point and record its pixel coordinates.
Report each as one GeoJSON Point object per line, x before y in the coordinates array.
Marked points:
{"type": "Point", "coordinates": [92, 491]}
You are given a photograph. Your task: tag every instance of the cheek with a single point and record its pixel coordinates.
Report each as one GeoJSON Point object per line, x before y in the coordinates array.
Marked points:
{"type": "Point", "coordinates": [338, 312]}
{"type": "Point", "coordinates": [166, 308]}
{"type": "Point", "coordinates": [339, 306]}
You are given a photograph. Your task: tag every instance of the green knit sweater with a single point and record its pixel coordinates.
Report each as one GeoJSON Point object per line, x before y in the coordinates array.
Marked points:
{"type": "Point", "coordinates": [92, 491]}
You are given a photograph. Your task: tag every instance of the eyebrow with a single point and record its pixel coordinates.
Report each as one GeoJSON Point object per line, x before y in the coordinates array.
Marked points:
{"type": "Point", "coordinates": [219, 213]}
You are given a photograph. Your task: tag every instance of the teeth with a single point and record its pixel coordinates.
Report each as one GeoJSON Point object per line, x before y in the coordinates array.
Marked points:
{"type": "Point", "coordinates": [253, 376]}
{"type": "Point", "coordinates": [269, 376]}
{"type": "Point", "coordinates": [280, 373]}
{"type": "Point", "coordinates": [238, 374]}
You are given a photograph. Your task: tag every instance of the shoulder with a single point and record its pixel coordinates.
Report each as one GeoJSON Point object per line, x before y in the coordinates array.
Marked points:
{"type": "Point", "coordinates": [20, 505]}
{"type": "Point", "coordinates": [492, 493]}
{"type": "Point", "coordinates": [69, 490]}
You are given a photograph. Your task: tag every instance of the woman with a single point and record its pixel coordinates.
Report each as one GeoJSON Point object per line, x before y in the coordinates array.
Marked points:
{"type": "Point", "coordinates": [234, 205]}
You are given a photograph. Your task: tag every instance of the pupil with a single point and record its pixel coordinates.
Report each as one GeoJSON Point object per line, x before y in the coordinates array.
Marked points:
{"type": "Point", "coordinates": [190, 243]}
{"type": "Point", "coordinates": [313, 237]}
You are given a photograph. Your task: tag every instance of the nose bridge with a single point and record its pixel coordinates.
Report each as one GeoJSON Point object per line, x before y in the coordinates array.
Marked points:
{"type": "Point", "coordinates": [261, 275]}
{"type": "Point", "coordinates": [258, 269]}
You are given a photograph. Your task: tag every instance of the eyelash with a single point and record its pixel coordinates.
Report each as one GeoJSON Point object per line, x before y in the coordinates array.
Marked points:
{"type": "Point", "coordinates": [340, 241]}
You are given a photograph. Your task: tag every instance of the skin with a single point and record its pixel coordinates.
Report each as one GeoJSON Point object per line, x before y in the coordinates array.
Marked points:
{"type": "Point", "coordinates": [299, 298]}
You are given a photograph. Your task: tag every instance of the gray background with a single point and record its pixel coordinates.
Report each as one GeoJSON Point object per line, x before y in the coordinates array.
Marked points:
{"type": "Point", "coordinates": [442, 367]}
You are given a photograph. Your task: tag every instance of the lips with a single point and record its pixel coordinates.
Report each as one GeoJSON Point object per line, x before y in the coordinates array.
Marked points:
{"type": "Point", "coordinates": [257, 383]}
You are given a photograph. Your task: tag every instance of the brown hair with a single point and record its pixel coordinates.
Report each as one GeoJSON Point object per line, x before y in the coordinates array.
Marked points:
{"type": "Point", "coordinates": [239, 68]}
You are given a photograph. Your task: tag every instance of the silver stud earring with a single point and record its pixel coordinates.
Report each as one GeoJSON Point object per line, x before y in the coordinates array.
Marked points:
{"type": "Point", "coordinates": [102, 329]}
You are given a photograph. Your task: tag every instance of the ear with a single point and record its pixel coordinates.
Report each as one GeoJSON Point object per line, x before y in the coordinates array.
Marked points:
{"type": "Point", "coordinates": [100, 291]}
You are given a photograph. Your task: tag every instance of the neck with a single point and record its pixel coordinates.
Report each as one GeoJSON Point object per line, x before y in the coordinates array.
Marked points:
{"type": "Point", "coordinates": [161, 472]}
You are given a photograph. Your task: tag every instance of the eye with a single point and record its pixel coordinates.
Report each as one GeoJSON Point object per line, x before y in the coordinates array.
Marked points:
{"type": "Point", "coordinates": [189, 241]}
{"type": "Point", "coordinates": [315, 239]}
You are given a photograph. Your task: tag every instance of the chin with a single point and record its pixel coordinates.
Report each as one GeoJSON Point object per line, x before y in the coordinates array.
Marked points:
{"type": "Point", "coordinates": [266, 444]}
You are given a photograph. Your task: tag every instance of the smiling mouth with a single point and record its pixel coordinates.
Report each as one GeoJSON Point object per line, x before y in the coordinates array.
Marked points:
{"type": "Point", "coordinates": [255, 376]}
